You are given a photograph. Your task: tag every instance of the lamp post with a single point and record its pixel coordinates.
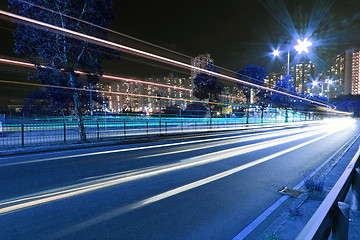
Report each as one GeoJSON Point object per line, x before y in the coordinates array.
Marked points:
{"type": "Point", "coordinates": [329, 82]}
{"type": "Point", "coordinates": [314, 84]}
{"type": "Point", "coordinates": [302, 46]}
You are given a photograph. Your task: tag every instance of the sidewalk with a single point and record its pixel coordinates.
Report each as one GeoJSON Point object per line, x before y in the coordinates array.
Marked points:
{"type": "Point", "coordinates": [292, 221]}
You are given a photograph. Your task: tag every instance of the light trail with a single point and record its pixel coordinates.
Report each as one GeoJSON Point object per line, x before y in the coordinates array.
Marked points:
{"type": "Point", "coordinates": [275, 133]}
{"type": "Point", "coordinates": [123, 35]}
{"type": "Point", "coordinates": [30, 65]}
{"type": "Point", "coordinates": [108, 92]}
{"type": "Point", "coordinates": [188, 163]}
{"type": "Point", "coordinates": [111, 77]}
{"type": "Point", "coordinates": [103, 28]}
{"type": "Point", "coordinates": [131, 207]}
{"type": "Point", "coordinates": [244, 139]}
{"type": "Point", "coordinates": [120, 47]}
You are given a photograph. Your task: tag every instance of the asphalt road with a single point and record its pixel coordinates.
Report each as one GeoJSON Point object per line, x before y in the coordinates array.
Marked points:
{"type": "Point", "coordinates": [202, 188]}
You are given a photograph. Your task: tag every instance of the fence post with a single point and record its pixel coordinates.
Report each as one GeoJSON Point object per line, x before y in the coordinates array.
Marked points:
{"type": "Point", "coordinates": [355, 189]}
{"type": "Point", "coordinates": [22, 135]}
{"type": "Point", "coordinates": [124, 130]}
{"type": "Point", "coordinates": [97, 131]}
{"type": "Point", "coordinates": [165, 128]}
{"type": "Point", "coordinates": [195, 127]}
{"type": "Point", "coordinates": [64, 132]}
{"type": "Point", "coordinates": [147, 129]}
{"type": "Point", "coordinates": [182, 127]}
{"type": "Point", "coordinates": [340, 229]}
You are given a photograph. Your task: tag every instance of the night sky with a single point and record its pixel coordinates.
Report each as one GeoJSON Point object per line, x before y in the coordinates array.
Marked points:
{"type": "Point", "coordinates": [241, 32]}
{"type": "Point", "coordinates": [235, 32]}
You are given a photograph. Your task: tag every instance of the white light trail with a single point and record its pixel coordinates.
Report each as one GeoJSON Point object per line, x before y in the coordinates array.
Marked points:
{"type": "Point", "coordinates": [141, 53]}
{"type": "Point", "coordinates": [272, 134]}
{"type": "Point", "coordinates": [111, 77]}
{"type": "Point", "coordinates": [31, 201]}
{"type": "Point", "coordinates": [120, 211]}
{"type": "Point", "coordinates": [245, 138]}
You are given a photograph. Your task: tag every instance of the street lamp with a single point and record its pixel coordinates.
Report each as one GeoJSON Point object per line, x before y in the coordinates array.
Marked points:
{"type": "Point", "coordinates": [303, 46]}
{"type": "Point", "coordinates": [276, 53]}
{"type": "Point", "coordinates": [313, 84]}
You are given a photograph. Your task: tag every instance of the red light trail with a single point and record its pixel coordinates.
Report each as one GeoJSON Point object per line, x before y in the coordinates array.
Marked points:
{"type": "Point", "coordinates": [141, 53]}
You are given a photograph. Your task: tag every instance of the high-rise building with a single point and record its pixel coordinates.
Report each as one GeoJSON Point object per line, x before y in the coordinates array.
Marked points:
{"type": "Point", "coordinates": [348, 70]}
{"type": "Point", "coordinates": [336, 77]}
{"type": "Point", "coordinates": [200, 61]}
{"type": "Point", "coordinates": [355, 74]}
{"type": "Point", "coordinates": [302, 74]}
{"type": "Point", "coordinates": [135, 95]}
{"type": "Point", "coordinates": [272, 78]}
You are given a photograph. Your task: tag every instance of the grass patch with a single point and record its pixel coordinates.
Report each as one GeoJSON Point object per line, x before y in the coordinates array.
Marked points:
{"type": "Point", "coordinates": [314, 187]}
{"type": "Point", "coordinates": [294, 212]}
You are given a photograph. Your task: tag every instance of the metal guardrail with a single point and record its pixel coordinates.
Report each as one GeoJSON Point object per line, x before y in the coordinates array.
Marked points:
{"type": "Point", "coordinates": [39, 133]}
{"type": "Point", "coordinates": [332, 216]}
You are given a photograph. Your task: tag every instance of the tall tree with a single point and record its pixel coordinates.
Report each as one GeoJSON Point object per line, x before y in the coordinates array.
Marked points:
{"type": "Point", "coordinates": [284, 101]}
{"type": "Point", "coordinates": [253, 74]}
{"type": "Point", "coordinates": [58, 57]}
{"type": "Point", "coordinates": [208, 87]}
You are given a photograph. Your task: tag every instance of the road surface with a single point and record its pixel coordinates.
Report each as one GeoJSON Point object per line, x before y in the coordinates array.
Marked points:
{"type": "Point", "coordinates": [209, 187]}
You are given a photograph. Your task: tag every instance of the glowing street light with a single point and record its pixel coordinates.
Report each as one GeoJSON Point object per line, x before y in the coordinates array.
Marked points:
{"type": "Point", "coordinates": [303, 46]}
{"type": "Point", "coordinates": [276, 53]}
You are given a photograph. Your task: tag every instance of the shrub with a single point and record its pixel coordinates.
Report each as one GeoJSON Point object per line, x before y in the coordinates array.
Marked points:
{"type": "Point", "coordinates": [314, 186]}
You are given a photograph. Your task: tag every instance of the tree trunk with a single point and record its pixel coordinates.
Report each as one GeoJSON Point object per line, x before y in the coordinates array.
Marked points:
{"type": "Point", "coordinates": [247, 113]}
{"type": "Point", "coordinates": [262, 115]}
{"type": "Point", "coordinates": [77, 108]}
{"type": "Point", "coordinates": [210, 109]}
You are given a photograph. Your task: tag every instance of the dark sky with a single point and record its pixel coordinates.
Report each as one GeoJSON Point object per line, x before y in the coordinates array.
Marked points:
{"type": "Point", "coordinates": [235, 32]}
{"type": "Point", "coordinates": [240, 32]}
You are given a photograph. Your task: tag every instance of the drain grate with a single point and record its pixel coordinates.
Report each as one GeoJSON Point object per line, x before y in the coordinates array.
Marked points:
{"type": "Point", "coordinates": [291, 192]}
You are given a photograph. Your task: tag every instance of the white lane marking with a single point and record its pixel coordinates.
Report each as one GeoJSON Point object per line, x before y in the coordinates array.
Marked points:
{"type": "Point", "coordinates": [170, 193]}
{"type": "Point", "coordinates": [248, 137]}
{"type": "Point", "coordinates": [131, 149]}
{"type": "Point", "coordinates": [204, 159]}
{"type": "Point", "coordinates": [227, 153]}
{"type": "Point", "coordinates": [254, 224]}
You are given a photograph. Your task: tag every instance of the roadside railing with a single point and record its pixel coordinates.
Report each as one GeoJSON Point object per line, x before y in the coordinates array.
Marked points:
{"type": "Point", "coordinates": [66, 131]}
{"type": "Point", "coordinates": [332, 216]}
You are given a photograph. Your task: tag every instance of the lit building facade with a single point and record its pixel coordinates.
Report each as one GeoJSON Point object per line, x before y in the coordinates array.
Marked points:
{"type": "Point", "coordinates": [200, 61]}
{"type": "Point", "coordinates": [302, 74]}
{"type": "Point", "coordinates": [355, 75]}
{"type": "Point", "coordinates": [272, 78]}
{"type": "Point", "coordinates": [337, 76]}
{"type": "Point", "coordinates": [134, 95]}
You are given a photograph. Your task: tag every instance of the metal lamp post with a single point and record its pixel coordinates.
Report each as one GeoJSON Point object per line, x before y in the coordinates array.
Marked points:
{"type": "Point", "coordinates": [302, 46]}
